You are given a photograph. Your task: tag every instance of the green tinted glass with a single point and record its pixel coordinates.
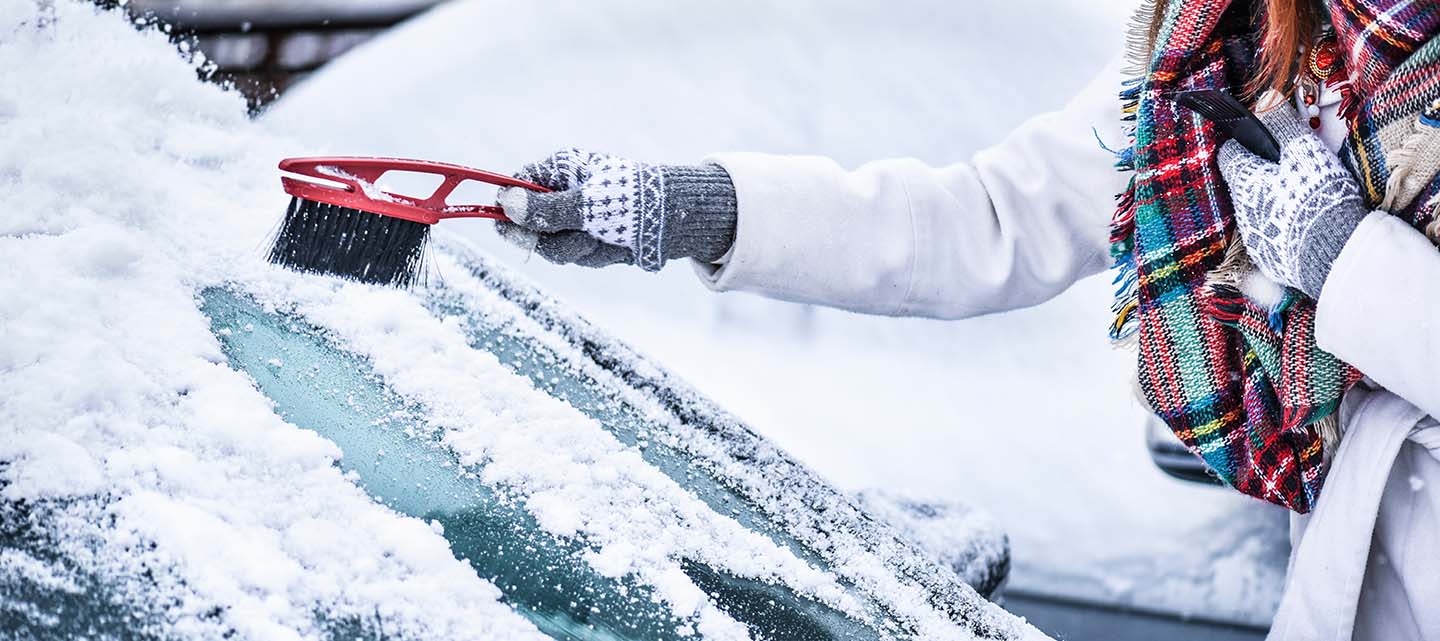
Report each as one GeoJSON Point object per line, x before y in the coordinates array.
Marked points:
{"type": "Point", "coordinates": [394, 457]}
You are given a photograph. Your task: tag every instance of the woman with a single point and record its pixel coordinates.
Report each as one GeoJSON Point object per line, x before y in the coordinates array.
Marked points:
{"type": "Point", "coordinates": [1281, 311]}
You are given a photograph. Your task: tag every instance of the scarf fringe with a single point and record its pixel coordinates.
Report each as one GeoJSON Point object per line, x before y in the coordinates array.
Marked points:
{"type": "Point", "coordinates": [1226, 302]}
{"type": "Point", "coordinates": [1122, 226]}
{"type": "Point", "coordinates": [1412, 164]}
{"type": "Point", "coordinates": [1138, 43]}
{"type": "Point", "coordinates": [1431, 209]}
{"type": "Point", "coordinates": [1329, 429]}
{"type": "Point", "coordinates": [1127, 276]}
{"type": "Point", "coordinates": [1226, 298]}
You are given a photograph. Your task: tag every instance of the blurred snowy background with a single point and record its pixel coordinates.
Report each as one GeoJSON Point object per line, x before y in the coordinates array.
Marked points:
{"type": "Point", "coordinates": [1028, 415]}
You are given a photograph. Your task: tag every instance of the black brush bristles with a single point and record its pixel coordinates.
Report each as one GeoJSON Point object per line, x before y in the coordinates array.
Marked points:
{"type": "Point", "coordinates": [320, 238]}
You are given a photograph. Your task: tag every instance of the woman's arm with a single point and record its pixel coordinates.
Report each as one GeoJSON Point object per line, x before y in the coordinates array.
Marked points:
{"type": "Point", "coordinates": [1379, 309]}
{"type": "Point", "coordinates": [1015, 226]}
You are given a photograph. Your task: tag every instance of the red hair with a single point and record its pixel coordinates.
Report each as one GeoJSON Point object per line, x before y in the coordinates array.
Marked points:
{"type": "Point", "coordinates": [1289, 25]}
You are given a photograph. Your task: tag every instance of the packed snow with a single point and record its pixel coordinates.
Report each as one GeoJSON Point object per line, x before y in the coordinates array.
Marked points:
{"type": "Point", "coordinates": [128, 187]}
{"type": "Point", "coordinates": [1028, 415]}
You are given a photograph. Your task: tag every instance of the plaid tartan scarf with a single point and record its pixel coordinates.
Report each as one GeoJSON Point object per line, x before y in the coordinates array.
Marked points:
{"type": "Point", "coordinates": [1244, 386]}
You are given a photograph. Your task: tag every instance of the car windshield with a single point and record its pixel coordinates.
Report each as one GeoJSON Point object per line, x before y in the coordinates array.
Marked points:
{"type": "Point", "coordinates": [407, 466]}
{"type": "Point", "coordinates": [404, 465]}
{"type": "Point", "coordinates": [776, 552]}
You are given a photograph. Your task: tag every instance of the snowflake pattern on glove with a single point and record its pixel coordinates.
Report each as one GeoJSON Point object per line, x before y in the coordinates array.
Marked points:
{"type": "Point", "coordinates": [1282, 210]}
{"type": "Point", "coordinates": [622, 201]}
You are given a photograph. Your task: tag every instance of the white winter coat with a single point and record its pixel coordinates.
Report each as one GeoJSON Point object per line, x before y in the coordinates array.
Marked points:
{"type": "Point", "coordinates": [1024, 220]}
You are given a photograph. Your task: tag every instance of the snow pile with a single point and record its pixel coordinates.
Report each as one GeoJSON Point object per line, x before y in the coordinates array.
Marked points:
{"type": "Point", "coordinates": [127, 187]}
{"type": "Point", "coordinates": [1028, 415]}
{"type": "Point", "coordinates": [125, 184]}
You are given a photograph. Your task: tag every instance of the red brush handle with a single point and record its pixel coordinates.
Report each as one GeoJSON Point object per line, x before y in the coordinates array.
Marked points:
{"type": "Point", "coordinates": [357, 175]}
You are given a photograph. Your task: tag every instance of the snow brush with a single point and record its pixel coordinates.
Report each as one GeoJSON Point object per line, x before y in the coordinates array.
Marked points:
{"type": "Point", "coordinates": [340, 223]}
{"type": "Point", "coordinates": [1232, 118]}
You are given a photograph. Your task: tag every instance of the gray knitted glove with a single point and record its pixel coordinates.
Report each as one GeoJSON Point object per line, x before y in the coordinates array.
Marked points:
{"type": "Point", "coordinates": [606, 209]}
{"type": "Point", "coordinates": [1296, 215]}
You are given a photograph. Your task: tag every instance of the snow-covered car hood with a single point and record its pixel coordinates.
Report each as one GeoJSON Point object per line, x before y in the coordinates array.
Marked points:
{"type": "Point", "coordinates": [199, 445]}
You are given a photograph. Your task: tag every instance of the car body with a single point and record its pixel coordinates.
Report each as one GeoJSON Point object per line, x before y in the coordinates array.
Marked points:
{"type": "Point", "coordinates": [1171, 456]}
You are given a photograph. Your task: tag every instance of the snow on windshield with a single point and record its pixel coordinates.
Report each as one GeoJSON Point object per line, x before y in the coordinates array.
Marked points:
{"type": "Point", "coordinates": [127, 188]}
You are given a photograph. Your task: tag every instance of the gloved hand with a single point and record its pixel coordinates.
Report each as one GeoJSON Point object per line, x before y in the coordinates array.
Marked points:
{"type": "Point", "coordinates": [1296, 215]}
{"type": "Point", "coordinates": [606, 209]}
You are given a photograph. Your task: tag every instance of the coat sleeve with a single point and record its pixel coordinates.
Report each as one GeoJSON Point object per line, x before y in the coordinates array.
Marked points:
{"type": "Point", "coordinates": [1013, 227]}
{"type": "Point", "coordinates": [1380, 309]}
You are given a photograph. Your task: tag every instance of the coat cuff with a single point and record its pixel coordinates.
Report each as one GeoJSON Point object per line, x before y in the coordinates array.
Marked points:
{"type": "Point", "coordinates": [1340, 310]}
{"type": "Point", "coordinates": [792, 230]}
{"type": "Point", "coordinates": [1377, 309]}
{"type": "Point", "coordinates": [746, 267]}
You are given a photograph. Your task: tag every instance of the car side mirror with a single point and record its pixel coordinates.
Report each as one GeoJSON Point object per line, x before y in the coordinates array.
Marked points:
{"type": "Point", "coordinates": [1171, 456]}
